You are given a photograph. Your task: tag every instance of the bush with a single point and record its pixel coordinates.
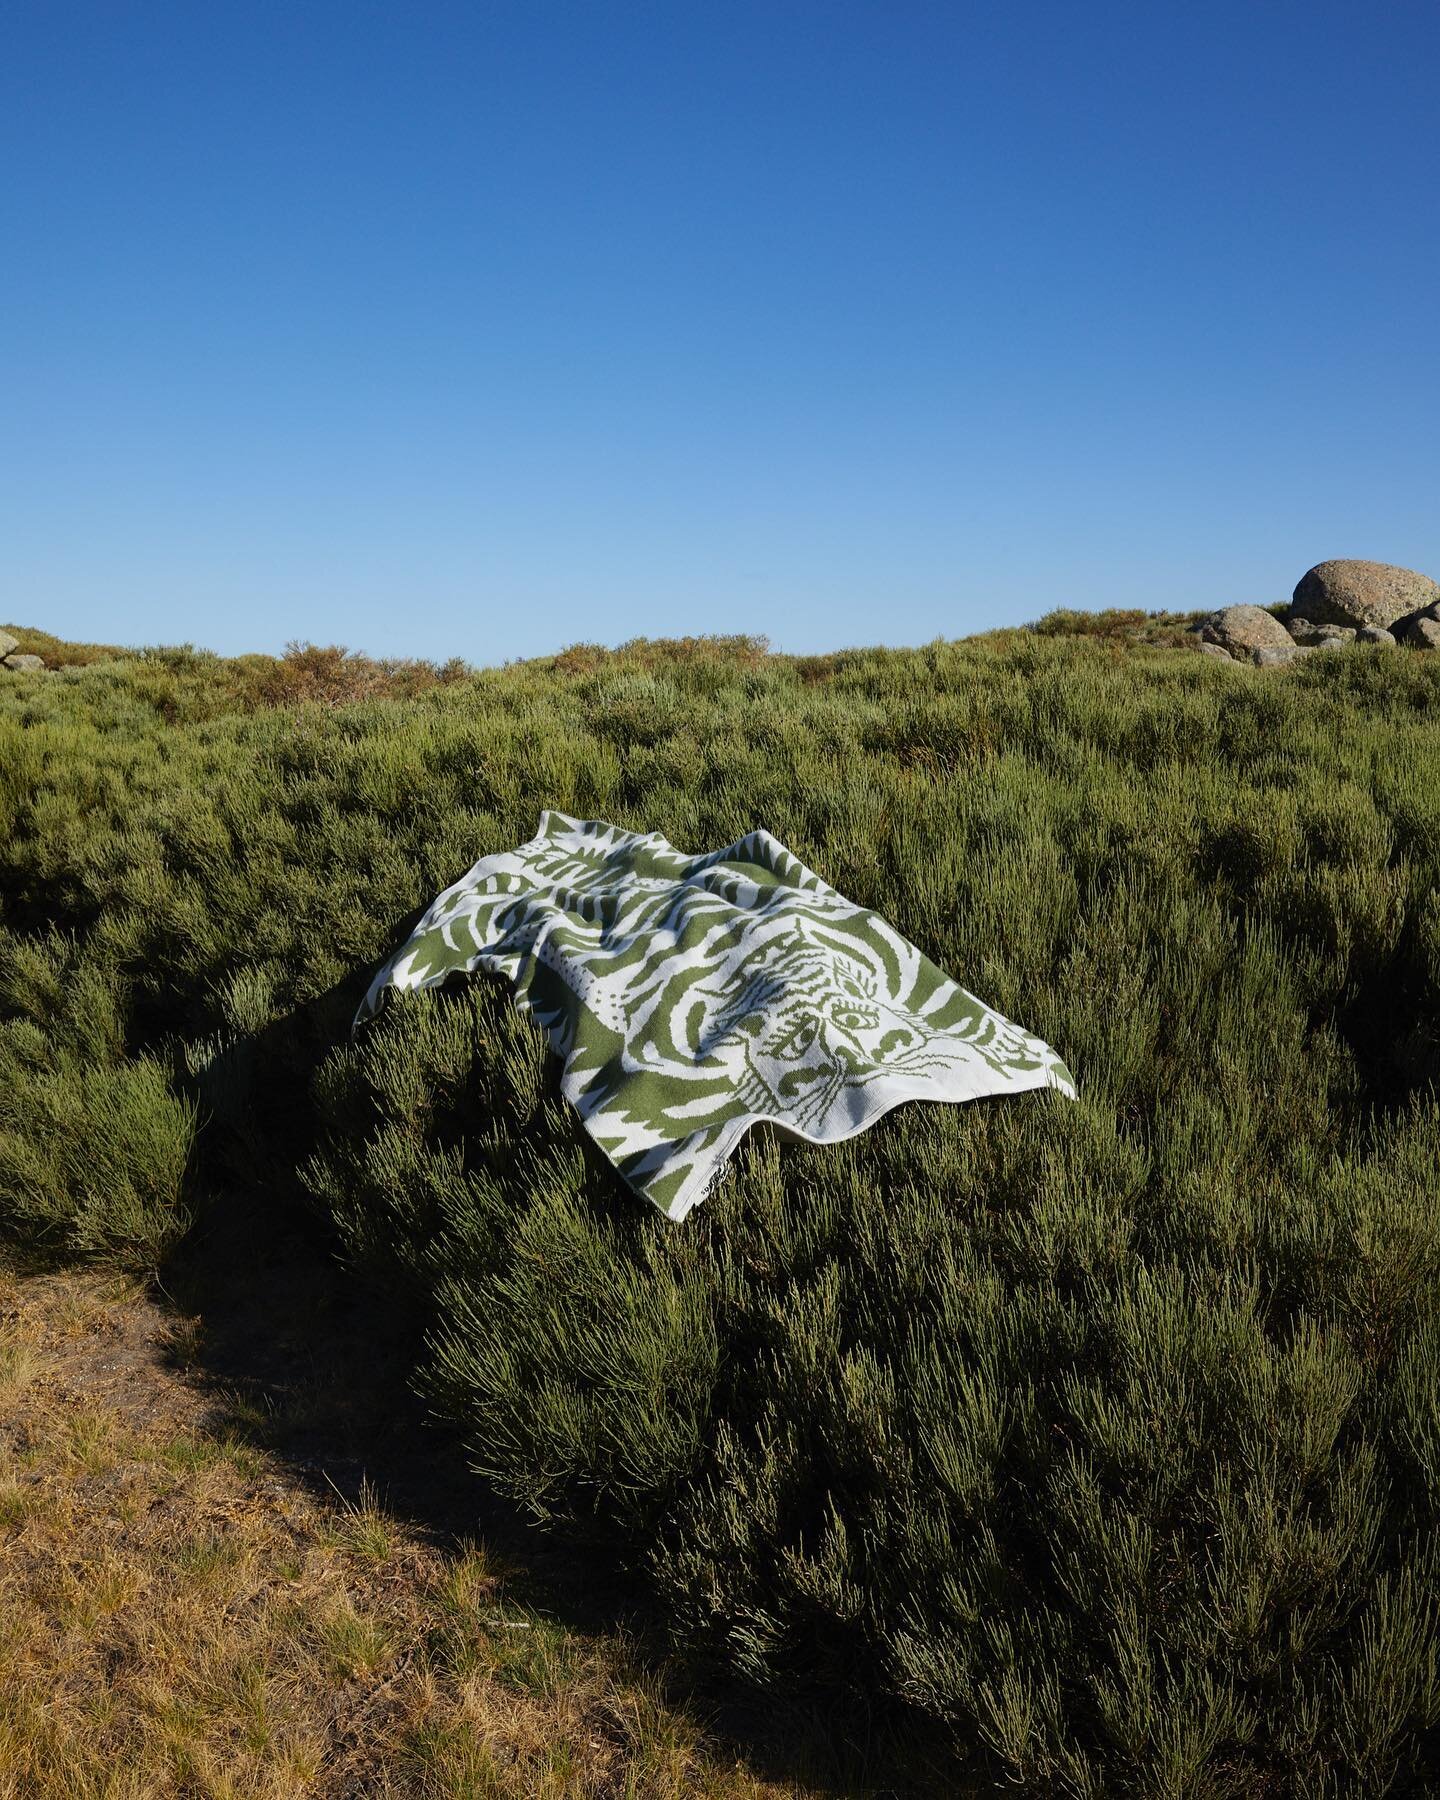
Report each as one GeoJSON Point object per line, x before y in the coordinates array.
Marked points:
{"type": "Point", "coordinates": [94, 1145]}
{"type": "Point", "coordinates": [1105, 1435]}
{"type": "Point", "coordinates": [334, 676]}
{"type": "Point", "coordinates": [1120, 625]}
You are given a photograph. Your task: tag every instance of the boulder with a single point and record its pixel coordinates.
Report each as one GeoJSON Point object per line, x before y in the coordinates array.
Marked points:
{"type": "Point", "coordinates": [1306, 631]}
{"type": "Point", "coordinates": [1423, 633]}
{"type": "Point", "coordinates": [1362, 593]}
{"type": "Point", "coordinates": [1242, 630]}
{"type": "Point", "coordinates": [32, 664]}
{"type": "Point", "coordinates": [1217, 650]}
{"type": "Point", "coordinates": [1372, 634]}
{"type": "Point", "coordinates": [1276, 656]}
{"type": "Point", "coordinates": [8, 643]}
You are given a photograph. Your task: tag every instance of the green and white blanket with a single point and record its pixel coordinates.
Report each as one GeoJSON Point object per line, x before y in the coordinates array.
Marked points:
{"type": "Point", "coordinates": [695, 996]}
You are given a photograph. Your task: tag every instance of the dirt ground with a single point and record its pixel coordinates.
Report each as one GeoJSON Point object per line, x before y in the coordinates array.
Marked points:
{"type": "Point", "coordinates": [203, 1591]}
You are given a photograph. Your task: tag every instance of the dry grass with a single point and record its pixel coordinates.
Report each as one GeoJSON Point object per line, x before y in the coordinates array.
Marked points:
{"type": "Point", "coordinates": [179, 1617]}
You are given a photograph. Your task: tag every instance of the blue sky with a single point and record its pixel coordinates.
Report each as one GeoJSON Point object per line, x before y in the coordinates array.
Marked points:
{"type": "Point", "coordinates": [481, 329]}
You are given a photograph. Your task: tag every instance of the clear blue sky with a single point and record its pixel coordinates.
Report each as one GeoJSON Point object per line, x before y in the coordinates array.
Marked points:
{"type": "Point", "coordinates": [479, 329]}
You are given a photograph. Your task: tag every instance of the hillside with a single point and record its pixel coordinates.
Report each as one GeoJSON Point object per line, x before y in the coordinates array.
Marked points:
{"type": "Point", "coordinates": [1090, 1448]}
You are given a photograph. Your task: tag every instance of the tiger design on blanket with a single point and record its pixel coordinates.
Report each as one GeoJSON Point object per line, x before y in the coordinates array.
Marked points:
{"type": "Point", "coordinates": [693, 997]}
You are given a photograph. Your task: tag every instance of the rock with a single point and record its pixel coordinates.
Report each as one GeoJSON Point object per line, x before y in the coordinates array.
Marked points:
{"type": "Point", "coordinates": [1215, 650]}
{"type": "Point", "coordinates": [28, 663]}
{"type": "Point", "coordinates": [1242, 630]}
{"type": "Point", "coordinates": [1372, 634]}
{"type": "Point", "coordinates": [8, 643]}
{"type": "Point", "coordinates": [1275, 656]}
{"type": "Point", "coordinates": [1422, 633]}
{"type": "Point", "coordinates": [1362, 593]}
{"type": "Point", "coordinates": [1306, 631]}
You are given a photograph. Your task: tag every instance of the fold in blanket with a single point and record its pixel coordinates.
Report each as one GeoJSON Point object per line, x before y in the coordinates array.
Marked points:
{"type": "Point", "coordinates": [692, 997]}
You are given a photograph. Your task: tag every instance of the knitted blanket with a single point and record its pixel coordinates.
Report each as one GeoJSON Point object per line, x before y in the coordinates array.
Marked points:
{"type": "Point", "coordinates": [692, 997]}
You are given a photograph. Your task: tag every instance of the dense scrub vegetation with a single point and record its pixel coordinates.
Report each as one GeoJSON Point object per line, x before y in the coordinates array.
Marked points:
{"type": "Point", "coordinates": [1104, 1435]}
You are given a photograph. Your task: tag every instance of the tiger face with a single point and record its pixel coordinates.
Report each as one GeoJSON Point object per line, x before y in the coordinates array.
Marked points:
{"type": "Point", "coordinates": [820, 1021]}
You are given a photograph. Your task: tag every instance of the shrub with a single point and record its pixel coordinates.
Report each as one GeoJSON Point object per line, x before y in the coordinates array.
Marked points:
{"type": "Point", "coordinates": [1118, 624]}
{"type": "Point", "coordinates": [93, 1144]}
{"type": "Point", "coordinates": [1103, 1435]}
{"type": "Point", "coordinates": [56, 652]}
{"type": "Point", "coordinates": [331, 675]}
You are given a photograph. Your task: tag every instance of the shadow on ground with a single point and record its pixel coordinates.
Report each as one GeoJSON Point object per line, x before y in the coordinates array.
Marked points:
{"type": "Point", "coordinates": [313, 1362]}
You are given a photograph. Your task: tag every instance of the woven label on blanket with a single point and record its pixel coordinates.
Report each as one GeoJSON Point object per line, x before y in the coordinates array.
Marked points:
{"type": "Point", "coordinates": [692, 997]}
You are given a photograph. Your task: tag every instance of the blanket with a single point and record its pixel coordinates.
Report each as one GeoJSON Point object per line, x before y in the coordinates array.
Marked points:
{"type": "Point", "coordinates": [692, 997]}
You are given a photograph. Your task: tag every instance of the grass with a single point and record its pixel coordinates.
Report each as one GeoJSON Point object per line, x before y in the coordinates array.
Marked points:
{"type": "Point", "coordinates": [1097, 1444]}
{"type": "Point", "coordinates": [230, 1633]}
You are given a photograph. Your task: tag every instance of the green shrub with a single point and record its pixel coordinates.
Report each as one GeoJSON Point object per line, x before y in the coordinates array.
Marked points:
{"type": "Point", "coordinates": [1083, 1442]}
{"type": "Point", "coordinates": [1118, 624]}
{"type": "Point", "coordinates": [1104, 1435]}
{"type": "Point", "coordinates": [94, 1144]}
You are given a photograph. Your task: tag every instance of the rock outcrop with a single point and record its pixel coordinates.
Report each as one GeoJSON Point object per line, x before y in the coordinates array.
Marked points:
{"type": "Point", "coordinates": [1362, 594]}
{"type": "Point", "coordinates": [1243, 630]}
{"type": "Point", "coordinates": [1306, 631]}
{"type": "Point", "coordinates": [1422, 632]}
{"type": "Point", "coordinates": [8, 644]}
